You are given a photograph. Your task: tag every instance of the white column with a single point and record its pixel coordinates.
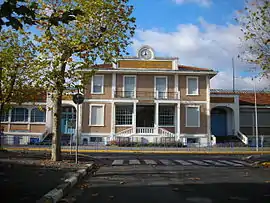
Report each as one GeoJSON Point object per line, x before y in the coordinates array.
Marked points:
{"type": "Point", "coordinates": [178, 120]}
{"type": "Point", "coordinates": [208, 113]}
{"type": "Point", "coordinates": [156, 117]}
{"type": "Point", "coordinates": [113, 84]}
{"type": "Point", "coordinates": [29, 109]}
{"type": "Point", "coordinates": [134, 116]}
{"type": "Point", "coordinates": [112, 119]}
{"type": "Point", "coordinates": [236, 117]}
{"type": "Point", "coordinates": [49, 112]}
{"type": "Point", "coordinates": [176, 86]}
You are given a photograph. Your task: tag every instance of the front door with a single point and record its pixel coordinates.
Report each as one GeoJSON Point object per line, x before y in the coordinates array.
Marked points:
{"type": "Point", "coordinates": [219, 122]}
{"type": "Point", "coordinates": [145, 116]}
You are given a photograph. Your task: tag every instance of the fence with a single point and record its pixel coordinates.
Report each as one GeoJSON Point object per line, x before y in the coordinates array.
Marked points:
{"type": "Point", "coordinates": [133, 144]}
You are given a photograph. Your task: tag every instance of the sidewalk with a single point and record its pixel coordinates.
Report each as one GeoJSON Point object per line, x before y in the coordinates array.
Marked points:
{"type": "Point", "coordinates": [150, 150]}
{"type": "Point", "coordinates": [26, 177]}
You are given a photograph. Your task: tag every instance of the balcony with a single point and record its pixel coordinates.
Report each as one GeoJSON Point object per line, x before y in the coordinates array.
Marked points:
{"type": "Point", "coordinates": [147, 95]}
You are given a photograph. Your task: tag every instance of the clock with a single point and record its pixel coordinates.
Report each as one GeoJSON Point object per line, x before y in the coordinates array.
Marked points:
{"type": "Point", "coordinates": [145, 53]}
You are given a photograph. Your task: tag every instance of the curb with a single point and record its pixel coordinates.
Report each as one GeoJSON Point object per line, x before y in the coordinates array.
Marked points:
{"type": "Point", "coordinates": [149, 152]}
{"type": "Point", "coordinates": [61, 190]}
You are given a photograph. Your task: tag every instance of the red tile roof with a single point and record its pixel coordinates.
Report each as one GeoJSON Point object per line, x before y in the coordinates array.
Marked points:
{"type": "Point", "coordinates": [248, 97]}
{"type": "Point", "coordinates": [180, 67]}
{"type": "Point", "coordinates": [192, 68]}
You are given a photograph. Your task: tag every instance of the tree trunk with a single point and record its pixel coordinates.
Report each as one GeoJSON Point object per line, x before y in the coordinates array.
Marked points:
{"type": "Point", "coordinates": [56, 130]}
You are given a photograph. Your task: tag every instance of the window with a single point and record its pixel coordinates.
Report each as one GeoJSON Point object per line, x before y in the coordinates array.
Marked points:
{"type": "Point", "coordinates": [97, 115]}
{"type": "Point", "coordinates": [129, 86]}
{"type": "Point", "coordinates": [166, 115]}
{"type": "Point", "coordinates": [192, 86]}
{"type": "Point", "coordinates": [38, 115]}
{"type": "Point", "coordinates": [95, 139]}
{"type": "Point", "coordinates": [97, 84]}
{"type": "Point", "coordinates": [4, 117]}
{"type": "Point", "coordinates": [123, 115]}
{"type": "Point", "coordinates": [192, 116]}
{"type": "Point", "coordinates": [19, 115]}
{"type": "Point", "coordinates": [161, 87]}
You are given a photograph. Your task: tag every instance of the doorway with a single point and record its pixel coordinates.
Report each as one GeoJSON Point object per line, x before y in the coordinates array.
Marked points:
{"type": "Point", "coordinates": [145, 116]}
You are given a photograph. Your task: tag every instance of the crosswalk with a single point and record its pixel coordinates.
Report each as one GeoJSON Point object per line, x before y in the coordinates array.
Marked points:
{"type": "Point", "coordinates": [168, 162]}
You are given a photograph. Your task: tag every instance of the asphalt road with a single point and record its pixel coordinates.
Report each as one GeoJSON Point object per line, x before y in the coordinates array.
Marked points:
{"type": "Point", "coordinates": [135, 183]}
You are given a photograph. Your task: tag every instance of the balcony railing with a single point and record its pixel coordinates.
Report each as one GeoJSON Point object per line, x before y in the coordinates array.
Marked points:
{"type": "Point", "coordinates": [147, 95]}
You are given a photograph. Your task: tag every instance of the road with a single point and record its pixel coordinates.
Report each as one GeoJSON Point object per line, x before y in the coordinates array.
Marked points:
{"type": "Point", "coordinates": [172, 181]}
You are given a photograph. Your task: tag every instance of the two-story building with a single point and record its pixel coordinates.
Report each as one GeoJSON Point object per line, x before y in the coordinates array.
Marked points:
{"type": "Point", "coordinates": [146, 98]}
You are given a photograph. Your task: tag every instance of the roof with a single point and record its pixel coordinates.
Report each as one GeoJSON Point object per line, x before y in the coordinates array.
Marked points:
{"type": "Point", "coordinates": [247, 97]}
{"type": "Point", "coordinates": [192, 68]}
{"type": "Point", "coordinates": [180, 67]}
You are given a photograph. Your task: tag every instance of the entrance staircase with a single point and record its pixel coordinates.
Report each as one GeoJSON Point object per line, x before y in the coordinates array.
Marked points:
{"type": "Point", "coordinates": [238, 140]}
{"type": "Point", "coordinates": [145, 131]}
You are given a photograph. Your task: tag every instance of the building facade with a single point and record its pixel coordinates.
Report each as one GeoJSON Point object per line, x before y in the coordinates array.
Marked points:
{"type": "Point", "coordinates": [147, 98]}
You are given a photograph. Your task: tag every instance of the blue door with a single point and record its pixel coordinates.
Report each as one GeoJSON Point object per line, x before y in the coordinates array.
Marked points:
{"type": "Point", "coordinates": [219, 122]}
{"type": "Point", "coordinates": [68, 120]}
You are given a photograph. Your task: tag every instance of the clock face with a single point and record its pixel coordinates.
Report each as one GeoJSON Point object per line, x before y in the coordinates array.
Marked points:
{"type": "Point", "coordinates": [145, 54]}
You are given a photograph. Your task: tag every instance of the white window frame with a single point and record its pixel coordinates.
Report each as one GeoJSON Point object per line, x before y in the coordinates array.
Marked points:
{"type": "Point", "coordinates": [92, 85]}
{"type": "Point", "coordinates": [197, 79]}
{"type": "Point", "coordinates": [135, 86]}
{"type": "Point", "coordinates": [155, 89]}
{"type": "Point", "coordinates": [90, 113]}
{"type": "Point", "coordinates": [199, 117]}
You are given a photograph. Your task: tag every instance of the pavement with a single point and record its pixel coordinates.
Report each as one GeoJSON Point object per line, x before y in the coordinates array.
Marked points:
{"type": "Point", "coordinates": [26, 177]}
{"type": "Point", "coordinates": [159, 183]}
{"type": "Point", "coordinates": [147, 150]}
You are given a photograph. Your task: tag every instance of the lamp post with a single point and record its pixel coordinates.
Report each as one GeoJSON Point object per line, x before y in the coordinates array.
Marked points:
{"type": "Point", "coordinates": [77, 99]}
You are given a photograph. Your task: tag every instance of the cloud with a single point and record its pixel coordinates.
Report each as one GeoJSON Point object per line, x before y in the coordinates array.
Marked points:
{"type": "Point", "coordinates": [205, 45]}
{"type": "Point", "coordinates": [205, 3]}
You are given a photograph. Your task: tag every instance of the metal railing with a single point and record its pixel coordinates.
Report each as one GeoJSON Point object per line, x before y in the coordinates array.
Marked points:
{"type": "Point", "coordinates": [242, 137]}
{"type": "Point", "coordinates": [147, 95]}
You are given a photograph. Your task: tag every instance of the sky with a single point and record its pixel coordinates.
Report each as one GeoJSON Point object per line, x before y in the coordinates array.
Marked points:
{"type": "Point", "coordinates": [200, 33]}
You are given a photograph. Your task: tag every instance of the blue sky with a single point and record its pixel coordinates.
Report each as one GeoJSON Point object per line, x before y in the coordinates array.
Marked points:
{"type": "Point", "coordinates": [201, 33]}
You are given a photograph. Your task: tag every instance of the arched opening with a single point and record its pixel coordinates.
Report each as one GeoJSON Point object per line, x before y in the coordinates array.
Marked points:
{"type": "Point", "coordinates": [68, 120]}
{"type": "Point", "coordinates": [222, 121]}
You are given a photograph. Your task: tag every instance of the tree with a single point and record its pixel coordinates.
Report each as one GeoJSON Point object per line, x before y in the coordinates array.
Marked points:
{"type": "Point", "coordinates": [15, 13]}
{"type": "Point", "coordinates": [255, 25]}
{"type": "Point", "coordinates": [100, 30]}
{"type": "Point", "coordinates": [17, 53]}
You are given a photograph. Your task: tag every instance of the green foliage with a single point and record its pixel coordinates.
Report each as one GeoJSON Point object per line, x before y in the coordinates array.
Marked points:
{"type": "Point", "coordinates": [255, 25]}
{"type": "Point", "coordinates": [78, 34]}
{"type": "Point", "coordinates": [16, 12]}
{"type": "Point", "coordinates": [17, 72]}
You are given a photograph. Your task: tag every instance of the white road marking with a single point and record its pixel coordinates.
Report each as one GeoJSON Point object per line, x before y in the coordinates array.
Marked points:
{"type": "Point", "coordinates": [166, 162]}
{"type": "Point", "coordinates": [118, 162]}
{"type": "Point", "coordinates": [242, 162]}
{"type": "Point", "coordinates": [214, 163]}
{"type": "Point", "coordinates": [199, 162]}
{"type": "Point", "coordinates": [134, 162]}
{"type": "Point", "coordinates": [230, 163]}
{"type": "Point", "coordinates": [184, 163]}
{"type": "Point", "coordinates": [150, 162]}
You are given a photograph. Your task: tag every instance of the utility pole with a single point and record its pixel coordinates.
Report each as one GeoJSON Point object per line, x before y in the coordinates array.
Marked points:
{"type": "Point", "coordinates": [233, 74]}
{"type": "Point", "coordinates": [256, 116]}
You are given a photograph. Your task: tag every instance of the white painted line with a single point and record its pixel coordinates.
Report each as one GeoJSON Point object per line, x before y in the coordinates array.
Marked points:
{"type": "Point", "coordinates": [134, 162]}
{"type": "Point", "coordinates": [117, 162]}
{"type": "Point", "coordinates": [150, 162]}
{"type": "Point", "coordinates": [242, 162]}
{"type": "Point", "coordinates": [230, 163]}
{"type": "Point", "coordinates": [197, 162]}
{"type": "Point", "coordinates": [166, 162]}
{"type": "Point", "coordinates": [214, 163]}
{"type": "Point", "coordinates": [184, 163]}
